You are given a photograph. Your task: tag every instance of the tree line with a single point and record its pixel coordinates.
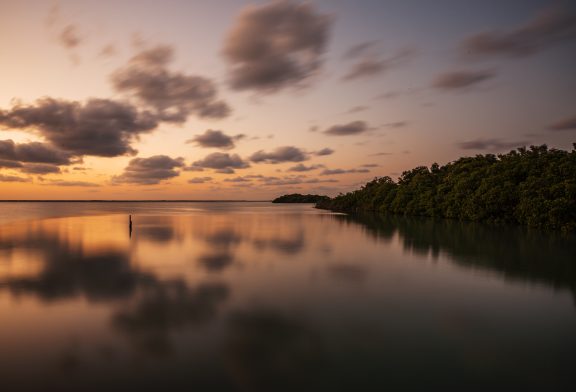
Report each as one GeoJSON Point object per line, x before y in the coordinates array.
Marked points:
{"type": "Point", "coordinates": [533, 186]}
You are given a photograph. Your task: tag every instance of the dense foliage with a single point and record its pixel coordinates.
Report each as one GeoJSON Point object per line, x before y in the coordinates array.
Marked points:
{"type": "Point", "coordinates": [298, 198]}
{"type": "Point", "coordinates": [534, 187]}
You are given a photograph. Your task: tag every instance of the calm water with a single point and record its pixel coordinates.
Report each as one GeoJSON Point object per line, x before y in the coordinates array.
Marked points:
{"type": "Point", "coordinates": [263, 297]}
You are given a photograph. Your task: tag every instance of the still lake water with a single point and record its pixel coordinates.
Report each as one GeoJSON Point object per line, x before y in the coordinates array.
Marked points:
{"type": "Point", "coordinates": [264, 297]}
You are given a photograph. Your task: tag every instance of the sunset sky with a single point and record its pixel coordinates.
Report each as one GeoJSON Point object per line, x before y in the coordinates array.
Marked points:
{"type": "Point", "coordinates": [232, 99]}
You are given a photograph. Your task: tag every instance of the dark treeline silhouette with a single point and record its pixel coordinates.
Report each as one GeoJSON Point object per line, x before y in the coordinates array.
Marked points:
{"type": "Point", "coordinates": [534, 187]}
{"type": "Point", "coordinates": [298, 198]}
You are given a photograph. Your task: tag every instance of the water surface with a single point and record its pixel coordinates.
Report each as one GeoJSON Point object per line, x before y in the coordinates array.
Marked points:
{"type": "Point", "coordinates": [264, 297]}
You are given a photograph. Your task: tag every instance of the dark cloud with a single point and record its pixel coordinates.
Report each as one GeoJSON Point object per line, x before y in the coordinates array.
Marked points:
{"type": "Point", "coordinates": [490, 144]}
{"type": "Point", "coordinates": [353, 128]}
{"type": "Point", "coordinates": [546, 30]}
{"type": "Point", "coordinates": [317, 181]}
{"type": "Point", "coordinates": [331, 172]}
{"type": "Point", "coordinates": [215, 139]}
{"type": "Point", "coordinates": [323, 152]}
{"type": "Point", "coordinates": [303, 168]}
{"type": "Point", "coordinates": [380, 154]}
{"type": "Point", "coordinates": [172, 95]}
{"type": "Point", "coordinates": [70, 37]}
{"type": "Point", "coordinates": [373, 65]}
{"type": "Point", "coordinates": [39, 168]}
{"type": "Point", "coordinates": [226, 170]}
{"type": "Point", "coordinates": [222, 162]}
{"type": "Point", "coordinates": [33, 152]}
{"type": "Point", "coordinates": [276, 45]}
{"type": "Point", "coordinates": [99, 127]}
{"type": "Point", "coordinates": [74, 184]}
{"type": "Point", "coordinates": [567, 124]}
{"type": "Point", "coordinates": [4, 178]}
{"type": "Point", "coordinates": [238, 179]}
{"type": "Point", "coordinates": [10, 164]}
{"type": "Point", "coordinates": [461, 80]}
{"type": "Point", "coordinates": [150, 171]}
{"type": "Point", "coordinates": [199, 180]}
{"type": "Point", "coordinates": [291, 180]}
{"type": "Point", "coordinates": [371, 165]}
{"type": "Point", "coordinates": [280, 154]}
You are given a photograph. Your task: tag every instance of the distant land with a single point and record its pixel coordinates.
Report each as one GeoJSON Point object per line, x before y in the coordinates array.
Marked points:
{"type": "Point", "coordinates": [533, 187]}
{"type": "Point", "coordinates": [298, 198]}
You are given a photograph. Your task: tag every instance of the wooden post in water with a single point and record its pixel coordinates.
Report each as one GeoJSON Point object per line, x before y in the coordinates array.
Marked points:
{"type": "Point", "coordinates": [130, 224]}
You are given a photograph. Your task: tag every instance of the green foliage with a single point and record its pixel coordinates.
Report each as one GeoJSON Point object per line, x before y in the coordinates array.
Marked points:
{"type": "Point", "coordinates": [298, 198]}
{"type": "Point", "coordinates": [534, 187]}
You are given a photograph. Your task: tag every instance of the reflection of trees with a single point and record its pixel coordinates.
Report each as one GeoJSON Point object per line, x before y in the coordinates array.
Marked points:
{"type": "Point", "coordinates": [515, 253]}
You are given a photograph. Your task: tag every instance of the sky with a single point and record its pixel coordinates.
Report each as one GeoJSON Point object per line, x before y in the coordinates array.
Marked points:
{"type": "Point", "coordinates": [233, 99]}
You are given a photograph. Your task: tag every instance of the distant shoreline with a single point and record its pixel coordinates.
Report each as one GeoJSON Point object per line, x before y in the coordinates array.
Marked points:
{"type": "Point", "coordinates": [135, 201]}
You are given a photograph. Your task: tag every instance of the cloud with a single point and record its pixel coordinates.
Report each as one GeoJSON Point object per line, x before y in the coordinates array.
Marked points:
{"type": "Point", "coordinates": [4, 178]}
{"type": "Point", "coordinates": [302, 168]}
{"type": "Point", "coordinates": [547, 30]}
{"type": "Point", "coordinates": [461, 80]}
{"type": "Point", "coordinates": [373, 65]}
{"type": "Point", "coordinates": [357, 109]}
{"type": "Point", "coordinates": [10, 164]}
{"type": "Point", "coordinates": [34, 152]}
{"type": "Point", "coordinates": [199, 180]}
{"type": "Point", "coordinates": [108, 51]}
{"type": "Point", "coordinates": [275, 46]}
{"type": "Point", "coordinates": [172, 95]}
{"type": "Point", "coordinates": [40, 168]}
{"type": "Point", "coordinates": [221, 162]}
{"type": "Point", "coordinates": [360, 49]}
{"type": "Point", "coordinates": [397, 124]}
{"type": "Point", "coordinates": [215, 139]}
{"type": "Point", "coordinates": [286, 180]}
{"type": "Point", "coordinates": [98, 127]}
{"type": "Point", "coordinates": [70, 37]}
{"type": "Point", "coordinates": [353, 128]}
{"type": "Point", "coordinates": [490, 144]}
{"type": "Point", "coordinates": [331, 172]}
{"type": "Point", "coordinates": [279, 155]}
{"type": "Point", "coordinates": [238, 179]}
{"type": "Point", "coordinates": [323, 152]}
{"type": "Point", "coordinates": [371, 165]}
{"type": "Point", "coordinates": [567, 124]}
{"type": "Point", "coordinates": [74, 184]}
{"type": "Point", "coordinates": [149, 171]}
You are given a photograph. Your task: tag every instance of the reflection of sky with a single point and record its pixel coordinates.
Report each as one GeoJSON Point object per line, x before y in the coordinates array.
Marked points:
{"type": "Point", "coordinates": [265, 300]}
{"type": "Point", "coordinates": [517, 106]}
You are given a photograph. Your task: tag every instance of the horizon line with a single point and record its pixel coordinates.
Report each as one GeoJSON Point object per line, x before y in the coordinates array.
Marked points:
{"type": "Point", "coordinates": [131, 200]}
